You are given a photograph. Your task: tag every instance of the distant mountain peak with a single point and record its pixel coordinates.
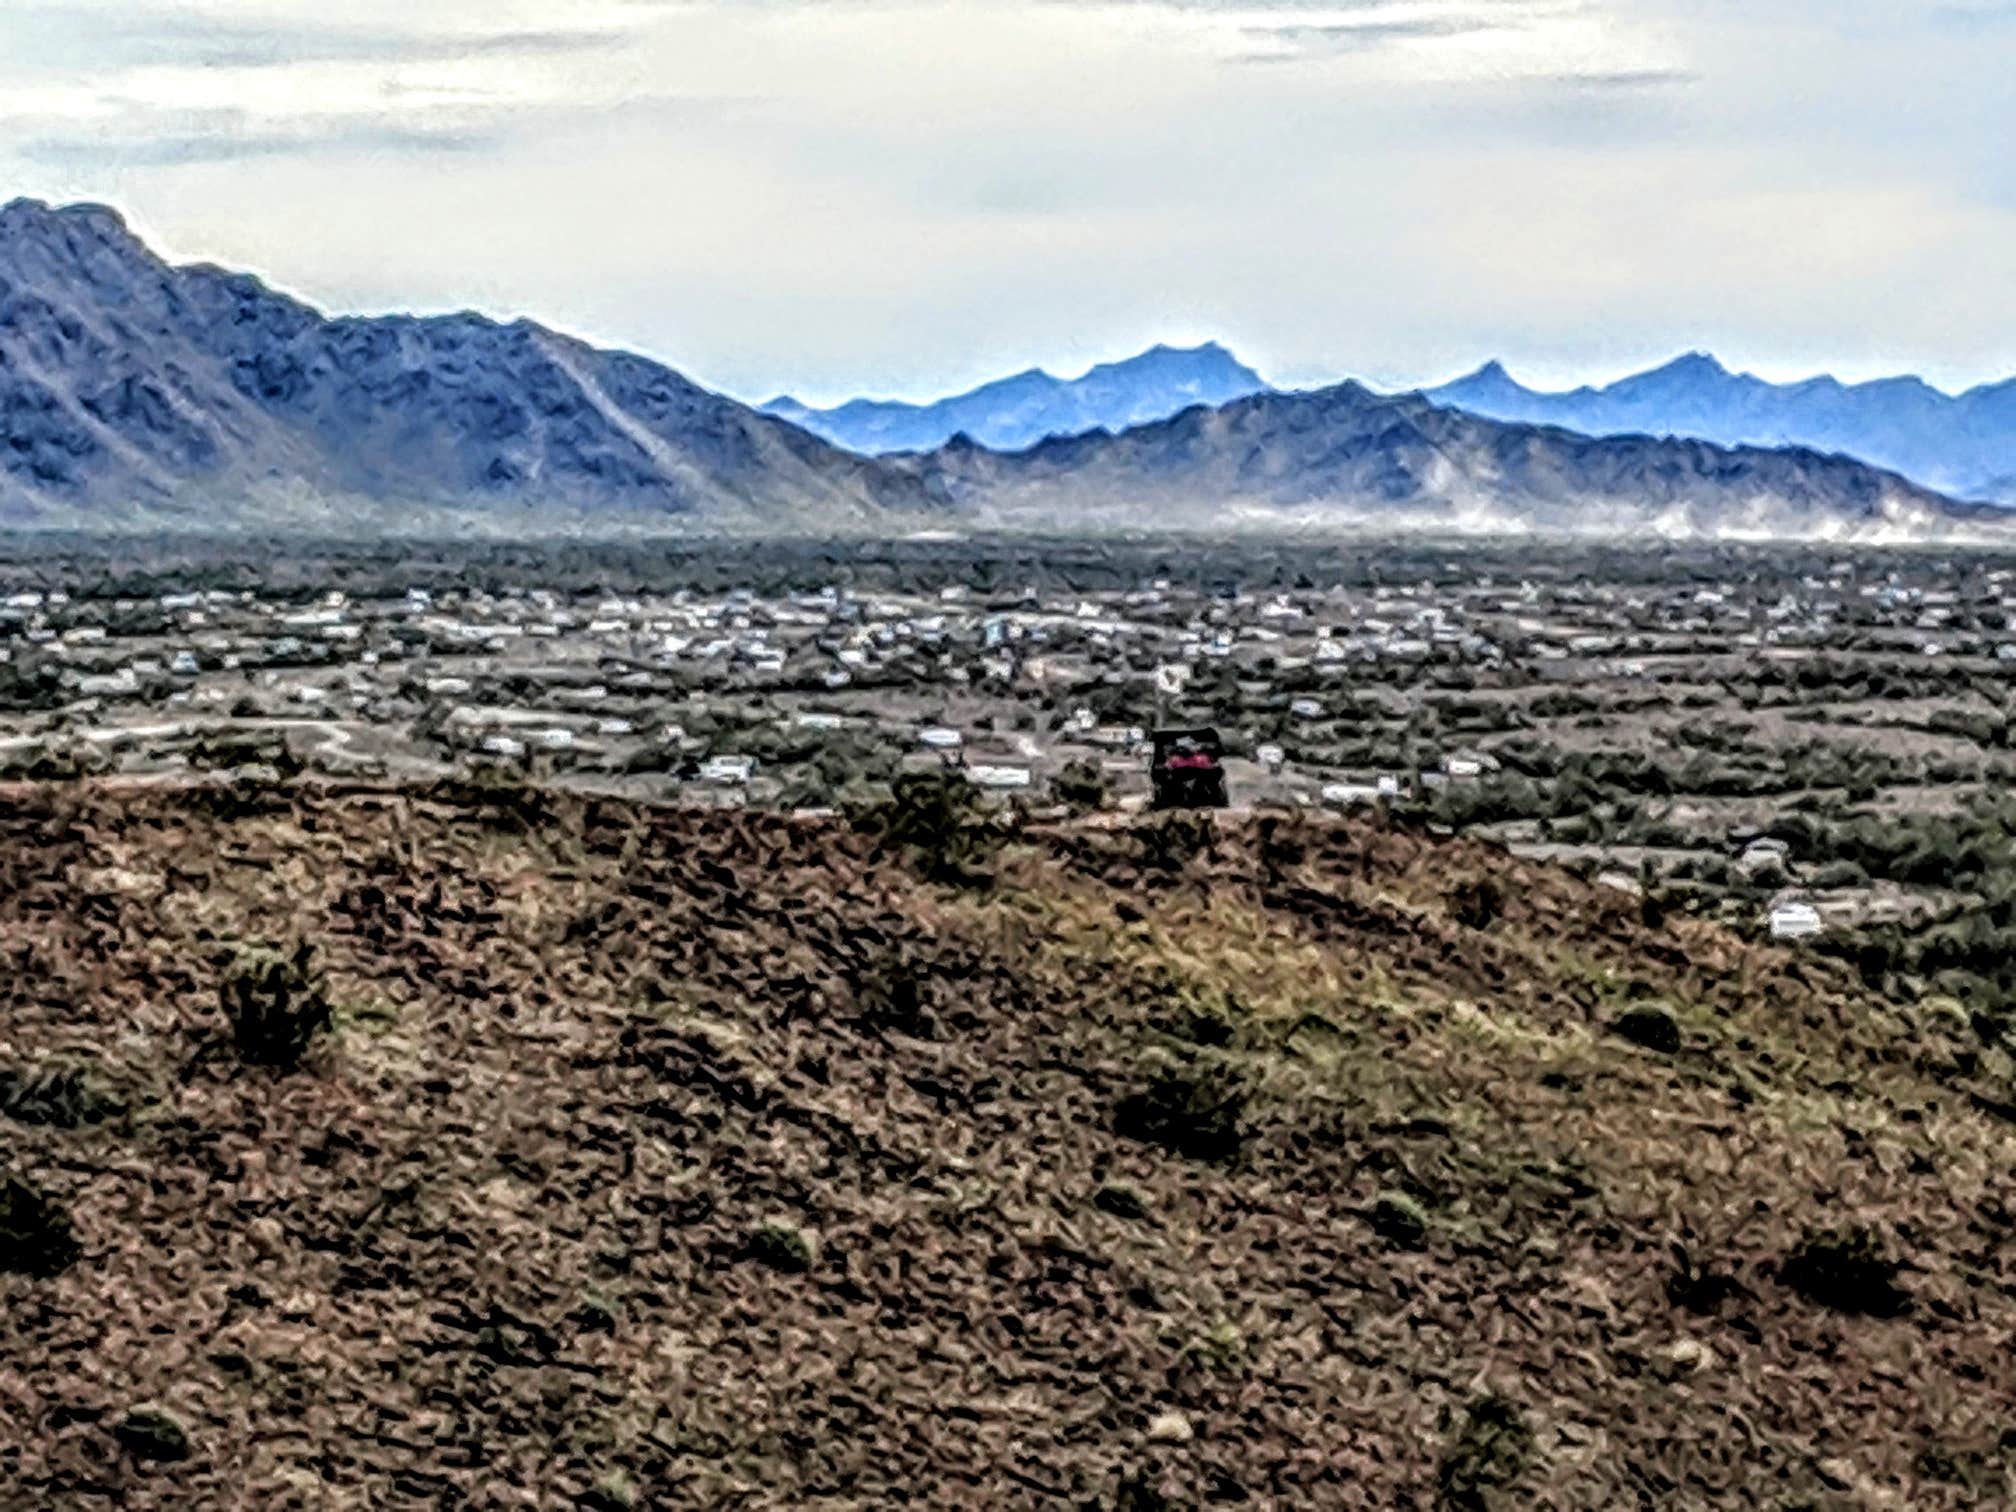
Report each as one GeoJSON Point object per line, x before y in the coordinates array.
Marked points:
{"type": "Point", "coordinates": [20, 216]}
{"type": "Point", "coordinates": [1012, 413]}
{"type": "Point", "coordinates": [1491, 381]}
{"type": "Point", "coordinates": [1688, 367]}
{"type": "Point", "coordinates": [1347, 454]}
{"type": "Point", "coordinates": [1957, 444]}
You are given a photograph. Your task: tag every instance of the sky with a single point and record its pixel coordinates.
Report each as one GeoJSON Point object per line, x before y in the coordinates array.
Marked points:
{"type": "Point", "coordinates": [906, 197]}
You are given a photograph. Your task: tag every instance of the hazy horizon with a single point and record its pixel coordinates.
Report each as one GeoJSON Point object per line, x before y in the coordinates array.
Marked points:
{"type": "Point", "coordinates": [905, 200]}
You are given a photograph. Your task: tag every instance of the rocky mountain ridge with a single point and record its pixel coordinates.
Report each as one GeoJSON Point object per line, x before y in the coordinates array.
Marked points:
{"type": "Point", "coordinates": [131, 390]}
{"type": "Point", "coordinates": [135, 394]}
{"type": "Point", "coordinates": [1020, 411]}
{"type": "Point", "coordinates": [1960, 444]}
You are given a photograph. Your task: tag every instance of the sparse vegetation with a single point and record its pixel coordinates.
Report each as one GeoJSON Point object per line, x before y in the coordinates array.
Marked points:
{"type": "Point", "coordinates": [937, 820]}
{"type": "Point", "coordinates": [1847, 1269]}
{"type": "Point", "coordinates": [1488, 1452]}
{"type": "Point", "coordinates": [153, 1434]}
{"type": "Point", "coordinates": [1082, 787]}
{"type": "Point", "coordinates": [277, 1004]}
{"type": "Point", "coordinates": [1162, 1128]}
{"type": "Point", "coordinates": [57, 1094]}
{"type": "Point", "coordinates": [35, 1235]}
{"type": "Point", "coordinates": [783, 1246]}
{"type": "Point", "coordinates": [1197, 1111]}
{"type": "Point", "coordinates": [889, 997]}
{"type": "Point", "coordinates": [1651, 1025]}
{"type": "Point", "coordinates": [1174, 840]}
{"type": "Point", "coordinates": [1400, 1220]}
{"type": "Point", "coordinates": [1477, 902]}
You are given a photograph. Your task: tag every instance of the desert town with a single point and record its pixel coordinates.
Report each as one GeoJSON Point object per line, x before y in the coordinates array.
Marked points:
{"type": "Point", "coordinates": [1655, 727]}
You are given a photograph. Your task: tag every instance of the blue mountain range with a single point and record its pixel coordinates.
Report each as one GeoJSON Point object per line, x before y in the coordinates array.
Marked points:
{"type": "Point", "coordinates": [1963, 445]}
{"type": "Point", "coordinates": [1013, 413]}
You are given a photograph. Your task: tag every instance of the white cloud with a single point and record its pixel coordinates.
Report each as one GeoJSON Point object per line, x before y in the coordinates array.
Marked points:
{"type": "Point", "coordinates": [908, 194]}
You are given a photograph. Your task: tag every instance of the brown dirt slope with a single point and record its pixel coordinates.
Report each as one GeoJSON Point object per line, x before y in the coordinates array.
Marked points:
{"type": "Point", "coordinates": [502, 1241]}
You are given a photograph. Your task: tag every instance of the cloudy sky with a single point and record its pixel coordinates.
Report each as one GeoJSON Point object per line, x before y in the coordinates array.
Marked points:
{"type": "Point", "coordinates": [906, 196]}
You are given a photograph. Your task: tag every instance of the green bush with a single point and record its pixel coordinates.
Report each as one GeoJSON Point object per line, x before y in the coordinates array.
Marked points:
{"type": "Point", "coordinates": [1846, 1270]}
{"type": "Point", "coordinates": [1081, 786]}
{"type": "Point", "coordinates": [1399, 1220]}
{"type": "Point", "coordinates": [35, 1235]}
{"type": "Point", "coordinates": [1477, 902]}
{"type": "Point", "coordinates": [57, 1096]}
{"type": "Point", "coordinates": [277, 1003]}
{"type": "Point", "coordinates": [1651, 1025]}
{"type": "Point", "coordinates": [783, 1247]}
{"type": "Point", "coordinates": [889, 998]}
{"type": "Point", "coordinates": [1171, 841]}
{"type": "Point", "coordinates": [1194, 1112]}
{"type": "Point", "coordinates": [1490, 1450]}
{"type": "Point", "coordinates": [150, 1433]}
{"type": "Point", "coordinates": [936, 818]}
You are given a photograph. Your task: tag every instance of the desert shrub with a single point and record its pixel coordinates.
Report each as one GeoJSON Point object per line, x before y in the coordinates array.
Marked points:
{"type": "Point", "coordinates": [1172, 841]}
{"type": "Point", "coordinates": [782, 1246]}
{"type": "Point", "coordinates": [937, 819]}
{"type": "Point", "coordinates": [1699, 1288]}
{"type": "Point", "coordinates": [1847, 1270]}
{"type": "Point", "coordinates": [1477, 902]}
{"type": "Point", "coordinates": [1194, 1023]}
{"type": "Point", "coordinates": [1651, 1025]}
{"type": "Point", "coordinates": [228, 750]}
{"type": "Point", "coordinates": [1138, 1493]}
{"type": "Point", "coordinates": [150, 1433]}
{"type": "Point", "coordinates": [1283, 843]}
{"type": "Point", "coordinates": [1498, 800]}
{"type": "Point", "coordinates": [1121, 1200]}
{"type": "Point", "coordinates": [1399, 1220]}
{"type": "Point", "coordinates": [60, 761]}
{"type": "Point", "coordinates": [1081, 786]}
{"type": "Point", "coordinates": [1837, 874]}
{"type": "Point", "coordinates": [1490, 1450]}
{"type": "Point", "coordinates": [277, 1003]}
{"type": "Point", "coordinates": [35, 1235]}
{"type": "Point", "coordinates": [889, 998]}
{"type": "Point", "coordinates": [57, 1096]}
{"type": "Point", "coordinates": [1195, 1112]}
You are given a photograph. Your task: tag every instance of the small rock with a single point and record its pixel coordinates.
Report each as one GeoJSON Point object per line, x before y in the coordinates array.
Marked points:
{"type": "Point", "coordinates": [266, 1236]}
{"type": "Point", "coordinates": [1685, 1356]}
{"type": "Point", "coordinates": [152, 1433]}
{"type": "Point", "coordinates": [1170, 1428]}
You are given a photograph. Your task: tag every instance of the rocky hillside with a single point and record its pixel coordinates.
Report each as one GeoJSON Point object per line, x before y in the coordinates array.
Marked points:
{"type": "Point", "coordinates": [1030, 407]}
{"type": "Point", "coordinates": [1961, 444]}
{"type": "Point", "coordinates": [1348, 454]}
{"type": "Point", "coordinates": [136, 392]}
{"type": "Point", "coordinates": [678, 1159]}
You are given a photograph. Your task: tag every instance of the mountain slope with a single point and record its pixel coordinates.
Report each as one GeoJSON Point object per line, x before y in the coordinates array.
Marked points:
{"type": "Point", "coordinates": [1345, 453]}
{"type": "Point", "coordinates": [667, 1159]}
{"type": "Point", "coordinates": [1020, 411]}
{"type": "Point", "coordinates": [1963, 445]}
{"type": "Point", "coordinates": [130, 389]}
{"type": "Point", "coordinates": [135, 394]}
